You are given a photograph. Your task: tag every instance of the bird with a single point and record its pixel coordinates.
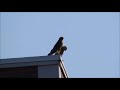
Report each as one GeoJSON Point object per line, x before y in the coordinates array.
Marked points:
{"type": "Point", "coordinates": [64, 48]}
{"type": "Point", "coordinates": [57, 47]}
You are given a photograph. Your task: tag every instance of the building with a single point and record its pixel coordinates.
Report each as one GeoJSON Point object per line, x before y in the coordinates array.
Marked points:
{"type": "Point", "coordinates": [33, 67]}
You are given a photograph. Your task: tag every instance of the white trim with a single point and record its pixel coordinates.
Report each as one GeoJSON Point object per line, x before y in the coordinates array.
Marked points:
{"type": "Point", "coordinates": [63, 68]}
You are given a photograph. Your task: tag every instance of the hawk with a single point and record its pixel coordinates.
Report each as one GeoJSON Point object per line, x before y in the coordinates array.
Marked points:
{"type": "Point", "coordinates": [64, 48]}
{"type": "Point", "coordinates": [57, 47]}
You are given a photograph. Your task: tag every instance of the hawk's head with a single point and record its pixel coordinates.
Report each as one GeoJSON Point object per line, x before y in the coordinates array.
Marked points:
{"type": "Point", "coordinates": [61, 38]}
{"type": "Point", "coordinates": [64, 48]}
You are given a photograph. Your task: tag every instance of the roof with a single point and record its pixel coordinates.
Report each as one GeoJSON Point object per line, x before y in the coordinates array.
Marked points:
{"type": "Point", "coordinates": [33, 61]}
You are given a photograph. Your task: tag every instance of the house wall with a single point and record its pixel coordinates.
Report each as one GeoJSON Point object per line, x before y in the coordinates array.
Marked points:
{"type": "Point", "coordinates": [19, 72]}
{"type": "Point", "coordinates": [48, 71]}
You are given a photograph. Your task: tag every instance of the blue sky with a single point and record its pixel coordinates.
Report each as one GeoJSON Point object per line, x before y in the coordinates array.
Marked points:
{"type": "Point", "coordinates": [92, 39]}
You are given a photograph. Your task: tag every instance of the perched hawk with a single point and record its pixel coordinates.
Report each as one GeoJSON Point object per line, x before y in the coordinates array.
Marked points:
{"type": "Point", "coordinates": [57, 47]}
{"type": "Point", "coordinates": [64, 48]}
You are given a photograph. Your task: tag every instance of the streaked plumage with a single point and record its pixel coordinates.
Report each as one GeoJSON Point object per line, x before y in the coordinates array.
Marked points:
{"type": "Point", "coordinates": [64, 48]}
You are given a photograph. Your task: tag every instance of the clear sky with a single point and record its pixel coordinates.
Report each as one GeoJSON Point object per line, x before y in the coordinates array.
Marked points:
{"type": "Point", "coordinates": [92, 39]}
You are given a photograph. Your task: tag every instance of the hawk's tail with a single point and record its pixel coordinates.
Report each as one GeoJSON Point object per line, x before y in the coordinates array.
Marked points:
{"type": "Point", "coordinates": [49, 54]}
